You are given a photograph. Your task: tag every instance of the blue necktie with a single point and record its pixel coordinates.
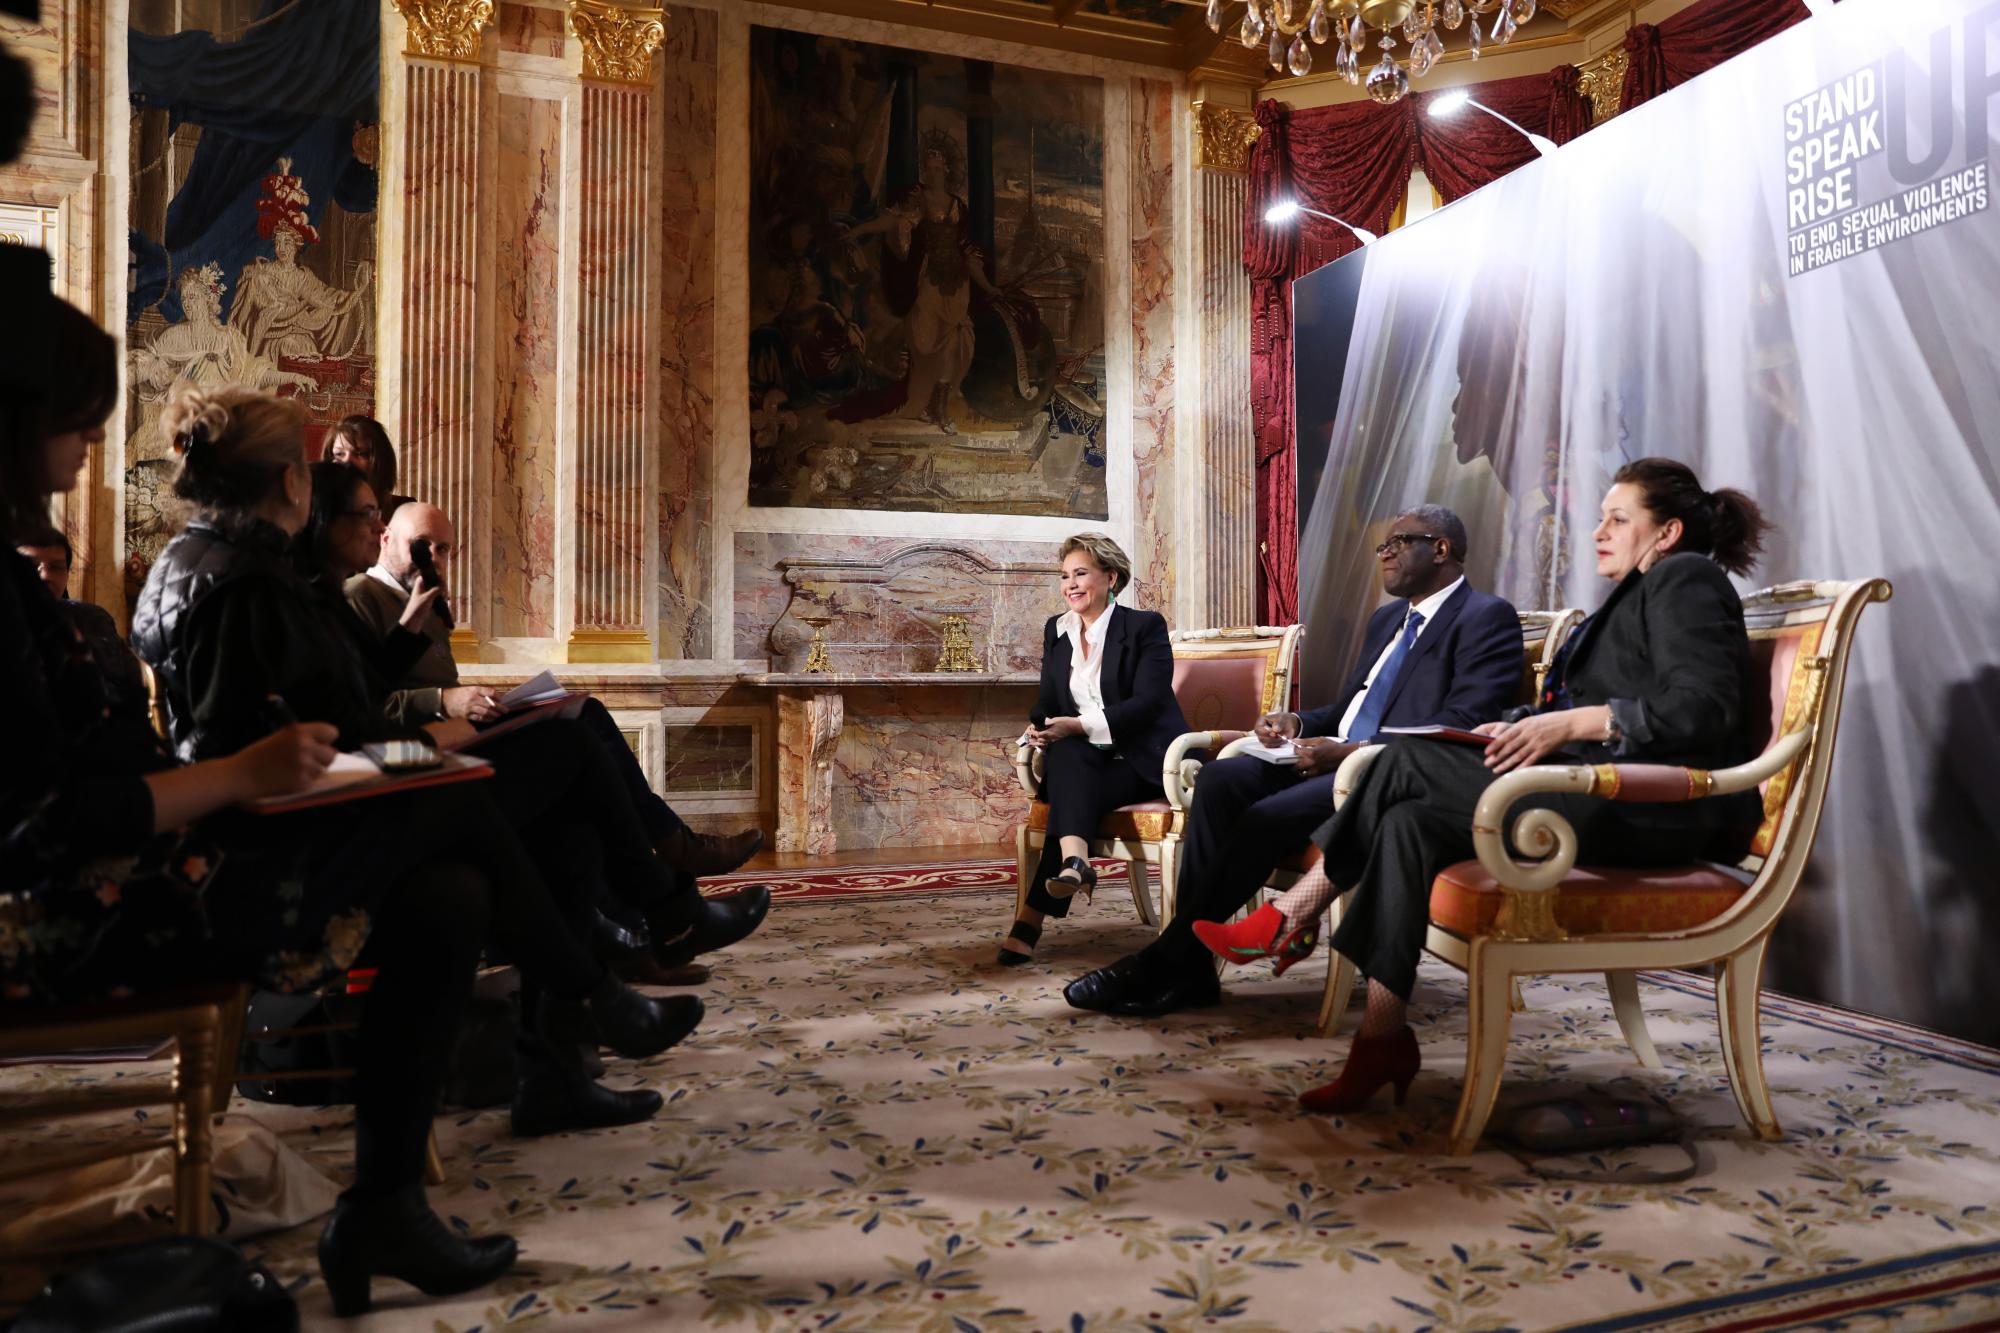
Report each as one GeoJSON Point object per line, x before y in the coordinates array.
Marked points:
{"type": "Point", "coordinates": [1369, 720]}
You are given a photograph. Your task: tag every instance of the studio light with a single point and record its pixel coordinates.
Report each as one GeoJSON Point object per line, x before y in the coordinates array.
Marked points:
{"type": "Point", "coordinates": [1280, 213]}
{"type": "Point", "coordinates": [1448, 104]}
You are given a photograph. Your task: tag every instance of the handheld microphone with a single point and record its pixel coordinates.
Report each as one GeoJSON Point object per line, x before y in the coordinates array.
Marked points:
{"type": "Point", "coordinates": [420, 558]}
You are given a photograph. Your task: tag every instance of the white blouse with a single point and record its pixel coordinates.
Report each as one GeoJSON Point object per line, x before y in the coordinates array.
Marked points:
{"type": "Point", "coordinates": [1086, 674]}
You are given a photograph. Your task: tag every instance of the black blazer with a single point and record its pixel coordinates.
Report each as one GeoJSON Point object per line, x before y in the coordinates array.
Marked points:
{"type": "Point", "coordinates": [1464, 669]}
{"type": "Point", "coordinates": [1669, 653]}
{"type": "Point", "coordinates": [1138, 683]}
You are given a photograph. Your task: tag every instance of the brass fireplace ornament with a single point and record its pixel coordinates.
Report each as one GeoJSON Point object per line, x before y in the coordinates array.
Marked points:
{"type": "Point", "coordinates": [955, 654]}
{"type": "Point", "coordinates": [817, 663]}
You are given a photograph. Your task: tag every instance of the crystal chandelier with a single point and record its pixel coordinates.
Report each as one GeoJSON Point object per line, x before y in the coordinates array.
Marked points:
{"type": "Point", "coordinates": [1289, 37]}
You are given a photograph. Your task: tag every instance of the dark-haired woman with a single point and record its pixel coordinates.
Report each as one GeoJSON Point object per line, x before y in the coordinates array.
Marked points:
{"type": "Point", "coordinates": [1656, 676]}
{"type": "Point", "coordinates": [363, 443]}
{"type": "Point", "coordinates": [123, 871]}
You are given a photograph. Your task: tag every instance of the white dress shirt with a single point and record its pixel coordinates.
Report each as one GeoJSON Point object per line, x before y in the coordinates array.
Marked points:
{"type": "Point", "coordinates": [1428, 609]}
{"type": "Point", "coordinates": [1086, 674]}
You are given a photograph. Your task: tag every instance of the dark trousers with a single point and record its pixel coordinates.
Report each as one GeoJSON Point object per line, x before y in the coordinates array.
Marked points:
{"type": "Point", "coordinates": [1081, 784]}
{"type": "Point", "coordinates": [1412, 816]}
{"type": "Point", "coordinates": [1247, 816]}
{"type": "Point", "coordinates": [655, 814]}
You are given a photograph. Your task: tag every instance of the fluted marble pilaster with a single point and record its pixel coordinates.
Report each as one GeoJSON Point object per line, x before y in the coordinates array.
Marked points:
{"type": "Point", "coordinates": [618, 334]}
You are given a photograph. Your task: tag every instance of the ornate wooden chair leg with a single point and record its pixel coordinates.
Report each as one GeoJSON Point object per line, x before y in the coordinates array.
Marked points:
{"type": "Point", "coordinates": [1340, 975]}
{"type": "Point", "coordinates": [433, 1162]}
{"type": "Point", "coordinates": [1485, 1051]}
{"type": "Point", "coordinates": [1137, 874]}
{"type": "Point", "coordinates": [194, 1132]}
{"type": "Point", "coordinates": [1738, 988]}
{"type": "Point", "coordinates": [1170, 879]}
{"type": "Point", "coordinates": [1624, 987]}
{"type": "Point", "coordinates": [1517, 1003]}
{"type": "Point", "coordinates": [1025, 859]}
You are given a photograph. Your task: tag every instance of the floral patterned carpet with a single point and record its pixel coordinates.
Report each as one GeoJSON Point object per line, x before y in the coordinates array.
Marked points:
{"type": "Point", "coordinates": [877, 1128]}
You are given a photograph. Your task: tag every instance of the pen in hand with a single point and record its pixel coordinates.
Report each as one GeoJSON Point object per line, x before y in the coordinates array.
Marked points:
{"type": "Point", "coordinates": [277, 713]}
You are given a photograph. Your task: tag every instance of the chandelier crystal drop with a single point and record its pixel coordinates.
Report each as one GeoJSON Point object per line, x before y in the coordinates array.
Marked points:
{"type": "Point", "coordinates": [1215, 15]}
{"type": "Point", "coordinates": [1289, 29]}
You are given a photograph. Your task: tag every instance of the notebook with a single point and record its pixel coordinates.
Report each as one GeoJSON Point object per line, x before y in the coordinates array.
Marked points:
{"type": "Point", "coordinates": [352, 776]}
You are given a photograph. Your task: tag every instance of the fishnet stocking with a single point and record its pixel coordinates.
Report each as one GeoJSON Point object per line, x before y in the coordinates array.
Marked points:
{"type": "Point", "coordinates": [1305, 900]}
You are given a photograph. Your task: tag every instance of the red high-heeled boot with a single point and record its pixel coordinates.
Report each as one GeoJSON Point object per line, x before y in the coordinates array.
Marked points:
{"type": "Point", "coordinates": [1371, 1062]}
{"type": "Point", "coordinates": [1262, 934]}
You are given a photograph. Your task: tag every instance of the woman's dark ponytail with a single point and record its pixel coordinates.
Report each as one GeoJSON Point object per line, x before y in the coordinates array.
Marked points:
{"type": "Point", "coordinates": [1725, 525]}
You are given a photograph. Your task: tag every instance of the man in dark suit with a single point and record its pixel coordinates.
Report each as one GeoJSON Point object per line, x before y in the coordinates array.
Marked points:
{"type": "Point", "coordinates": [1442, 653]}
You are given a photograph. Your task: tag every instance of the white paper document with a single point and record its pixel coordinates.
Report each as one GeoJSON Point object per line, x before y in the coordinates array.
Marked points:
{"type": "Point", "coordinates": [1284, 752]}
{"type": "Point", "coordinates": [542, 689]}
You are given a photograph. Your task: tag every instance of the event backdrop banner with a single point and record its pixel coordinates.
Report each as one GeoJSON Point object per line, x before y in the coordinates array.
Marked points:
{"type": "Point", "coordinates": [1787, 274]}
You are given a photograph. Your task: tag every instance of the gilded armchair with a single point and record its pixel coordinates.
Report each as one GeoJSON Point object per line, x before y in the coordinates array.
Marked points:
{"type": "Point", "coordinates": [1497, 919]}
{"type": "Point", "coordinates": [1225, 679]}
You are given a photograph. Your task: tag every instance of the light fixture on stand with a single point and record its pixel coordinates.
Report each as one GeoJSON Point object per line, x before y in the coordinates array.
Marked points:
{"type": "Point", "coordinates": [1280, 213]}
{"type": "Point", "coordinates": [1449, 104]}
{"type": "Point", "coordinates": [1290, 29]}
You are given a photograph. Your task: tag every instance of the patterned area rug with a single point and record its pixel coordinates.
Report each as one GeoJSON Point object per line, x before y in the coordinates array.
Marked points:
{"type": "Point", "coordinates": [878, 1129]}
{"type": "Point", "coordinates": [872, 881]}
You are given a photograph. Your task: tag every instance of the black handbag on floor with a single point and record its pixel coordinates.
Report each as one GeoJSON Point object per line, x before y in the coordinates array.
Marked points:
{"type": "Point", "coordinates": [179, 1284]}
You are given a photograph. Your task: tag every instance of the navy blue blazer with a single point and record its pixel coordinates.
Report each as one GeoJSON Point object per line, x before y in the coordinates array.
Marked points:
{"type": "Point", "coordinates": [1464, 669]}
{"type": "Point", "coordinates": [1138, 684]}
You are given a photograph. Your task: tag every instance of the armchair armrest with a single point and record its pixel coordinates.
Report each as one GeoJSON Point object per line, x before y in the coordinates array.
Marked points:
{"type": "Point", "coordinates": [1348, 776]}
{"type": "Point", "coordinates": [1546, 834]}
{"type": "Point", "coordinates": [1177, 771]}
{"type": "Point", "coordinates": [1028, 769]}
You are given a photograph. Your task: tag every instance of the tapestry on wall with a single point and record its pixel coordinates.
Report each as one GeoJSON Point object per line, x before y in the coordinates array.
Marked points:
{"type": "Point", "coordinates": [252, 224]}
{"type": "Point", "coordinates": [927, 314]}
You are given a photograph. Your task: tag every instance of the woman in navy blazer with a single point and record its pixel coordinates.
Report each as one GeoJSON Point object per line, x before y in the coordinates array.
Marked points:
{"type": "Point", "coordinates": [1103, 721]}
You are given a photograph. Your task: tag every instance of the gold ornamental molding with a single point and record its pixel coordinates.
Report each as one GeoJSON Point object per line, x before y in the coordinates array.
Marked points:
{"type": "Point", "coordinates": [610, 645]}
{"type": "Point", "coordinates": [445, 29]}
{"type": "Point", "coordinates": [1603, 81]}
{"type": "Point", "coordinates": [1222, 138]}
{"type": "Point", "coordinates": [618, 41]}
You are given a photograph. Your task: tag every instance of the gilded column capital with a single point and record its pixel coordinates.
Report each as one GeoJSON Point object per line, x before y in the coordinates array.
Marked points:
{"type": "Point", "coordinates": [618, 40]}
{"type": "Point", "coordinates": [1222, 138]}
{"type": "Point", "coordinates": [444, 29]}
{"type": "Point", "coordinates": [1603, 81]}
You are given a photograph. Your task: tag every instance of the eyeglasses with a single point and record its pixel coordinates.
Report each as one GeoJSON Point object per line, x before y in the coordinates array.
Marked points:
{"type": "Point", "coordinates": [1398, 540]}
{"type": "Point", "coordinates": [373, 513]}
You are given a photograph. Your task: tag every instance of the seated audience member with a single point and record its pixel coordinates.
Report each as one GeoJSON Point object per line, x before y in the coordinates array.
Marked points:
{"type": "Point", "coordinates": [234, 633]}
{"type": "Point", "coordinates": [1104, 720]}
{"type": "Point", "coordinates": [427, 689]}
{"type": "Point", "coordinates": [1655, 676]}
{"type": "Point", "coordinates": [361, 442]}
{"type": "Point", "coordinates": [1441, 653]}
{"type": "Point", "coordinates": [49, 551]}
{"type": "Point", "coordinates": [126, 872]}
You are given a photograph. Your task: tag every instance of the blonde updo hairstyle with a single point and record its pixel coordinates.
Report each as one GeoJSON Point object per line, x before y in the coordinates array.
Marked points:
{"type": "Point", "coordinates": [1105, 552]}
{"type": "Point", "coordinates": [234, 444]}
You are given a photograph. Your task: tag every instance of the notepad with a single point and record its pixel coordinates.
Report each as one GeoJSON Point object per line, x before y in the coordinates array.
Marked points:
{"type": "Point", "coordinates": [544, 688]}
{"type": "Point", "coordinates": [1284, 752]}
{"type": "Point", "coordinates": [353, 776]}
{"type": "Point", "coordinates": [1458, 734]}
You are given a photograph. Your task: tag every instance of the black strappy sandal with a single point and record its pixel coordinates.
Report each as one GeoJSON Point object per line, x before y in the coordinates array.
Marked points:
{"type": "Point", "coordinates": [1085, 882]}
{"type": "Point", "coordinates": [1026, 933]}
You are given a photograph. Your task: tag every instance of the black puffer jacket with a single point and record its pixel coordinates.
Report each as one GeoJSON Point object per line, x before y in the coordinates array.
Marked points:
{"type": "Point", "coordinates": [226, 623]}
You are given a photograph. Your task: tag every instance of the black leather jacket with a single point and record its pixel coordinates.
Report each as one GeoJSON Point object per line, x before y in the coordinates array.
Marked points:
{"type": "Point", "coordinates": [226, 622]}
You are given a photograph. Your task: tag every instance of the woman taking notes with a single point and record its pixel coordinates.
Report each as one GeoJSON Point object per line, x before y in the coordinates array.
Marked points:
{"type": "Point", "coordinates": [1656, 675]}
{"type": "Point", "coordinates": [1103, 722]}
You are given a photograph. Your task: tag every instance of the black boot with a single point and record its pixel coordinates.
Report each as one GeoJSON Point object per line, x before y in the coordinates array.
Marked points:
{"type": "Point", "coordinates": [629, 1023]}
{"type": "Point", "coordinates": [397, 1235]}
{"type": "Point", "coordinates": [724, 919]}
{"type": "Point", "coordinates": [702, 854]}
{"type": "Point", "coordinates": [553, 1094]}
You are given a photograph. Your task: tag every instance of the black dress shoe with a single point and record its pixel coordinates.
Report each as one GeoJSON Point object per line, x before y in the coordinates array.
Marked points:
{"type": "Point", "coordinates": [724, 920]}
{"type": "Point", "coordinates": [397, 1235]}
{"type": "Point", "coordinates": [629, 1023]}
{"type": "Point", "coordinates": [1105, 988]}
{"type": "Point", "coordinates": [701, 854]}
{"type": "Point", "coordinates": [549, 1103]}
{"type": "Point", "coordinates": [1198, 989]}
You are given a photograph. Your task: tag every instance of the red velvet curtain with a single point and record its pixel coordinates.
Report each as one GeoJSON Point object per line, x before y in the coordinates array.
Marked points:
{"type": "Point", "coordinates": [1696, 40]}
{"type": "Point", "coordinates": [1354, 161]}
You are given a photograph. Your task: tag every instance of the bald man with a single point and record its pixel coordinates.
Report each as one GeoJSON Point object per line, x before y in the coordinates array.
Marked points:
{"type": "Point", "coordinates": [429, 690]}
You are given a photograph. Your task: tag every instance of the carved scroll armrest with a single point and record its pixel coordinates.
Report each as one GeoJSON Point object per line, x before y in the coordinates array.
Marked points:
{"type": "Point", "coordinates": [1547, 835]}
{"type": "Point", "coordinates": [1348, 776]}
{"type": "Point", "coordinates": [1028, 769]}
{"type": "Point", "coordinates": [1177, 771]}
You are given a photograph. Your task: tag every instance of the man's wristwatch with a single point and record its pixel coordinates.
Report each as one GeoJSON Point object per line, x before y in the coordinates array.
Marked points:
{"type": "Point", "coordinates": [1612, 734]}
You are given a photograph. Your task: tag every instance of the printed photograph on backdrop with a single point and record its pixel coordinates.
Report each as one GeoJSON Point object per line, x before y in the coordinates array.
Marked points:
{"type": "Point", "coordinates": [927, 320]}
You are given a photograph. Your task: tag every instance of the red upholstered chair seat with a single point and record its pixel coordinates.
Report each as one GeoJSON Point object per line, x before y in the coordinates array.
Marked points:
{"type": "Point", "coordinates": [1608, 901]}
{"type": "Point", "coordinates": [1146, 821]}
{"type": "Point", "coordinates": [1221, 690]}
